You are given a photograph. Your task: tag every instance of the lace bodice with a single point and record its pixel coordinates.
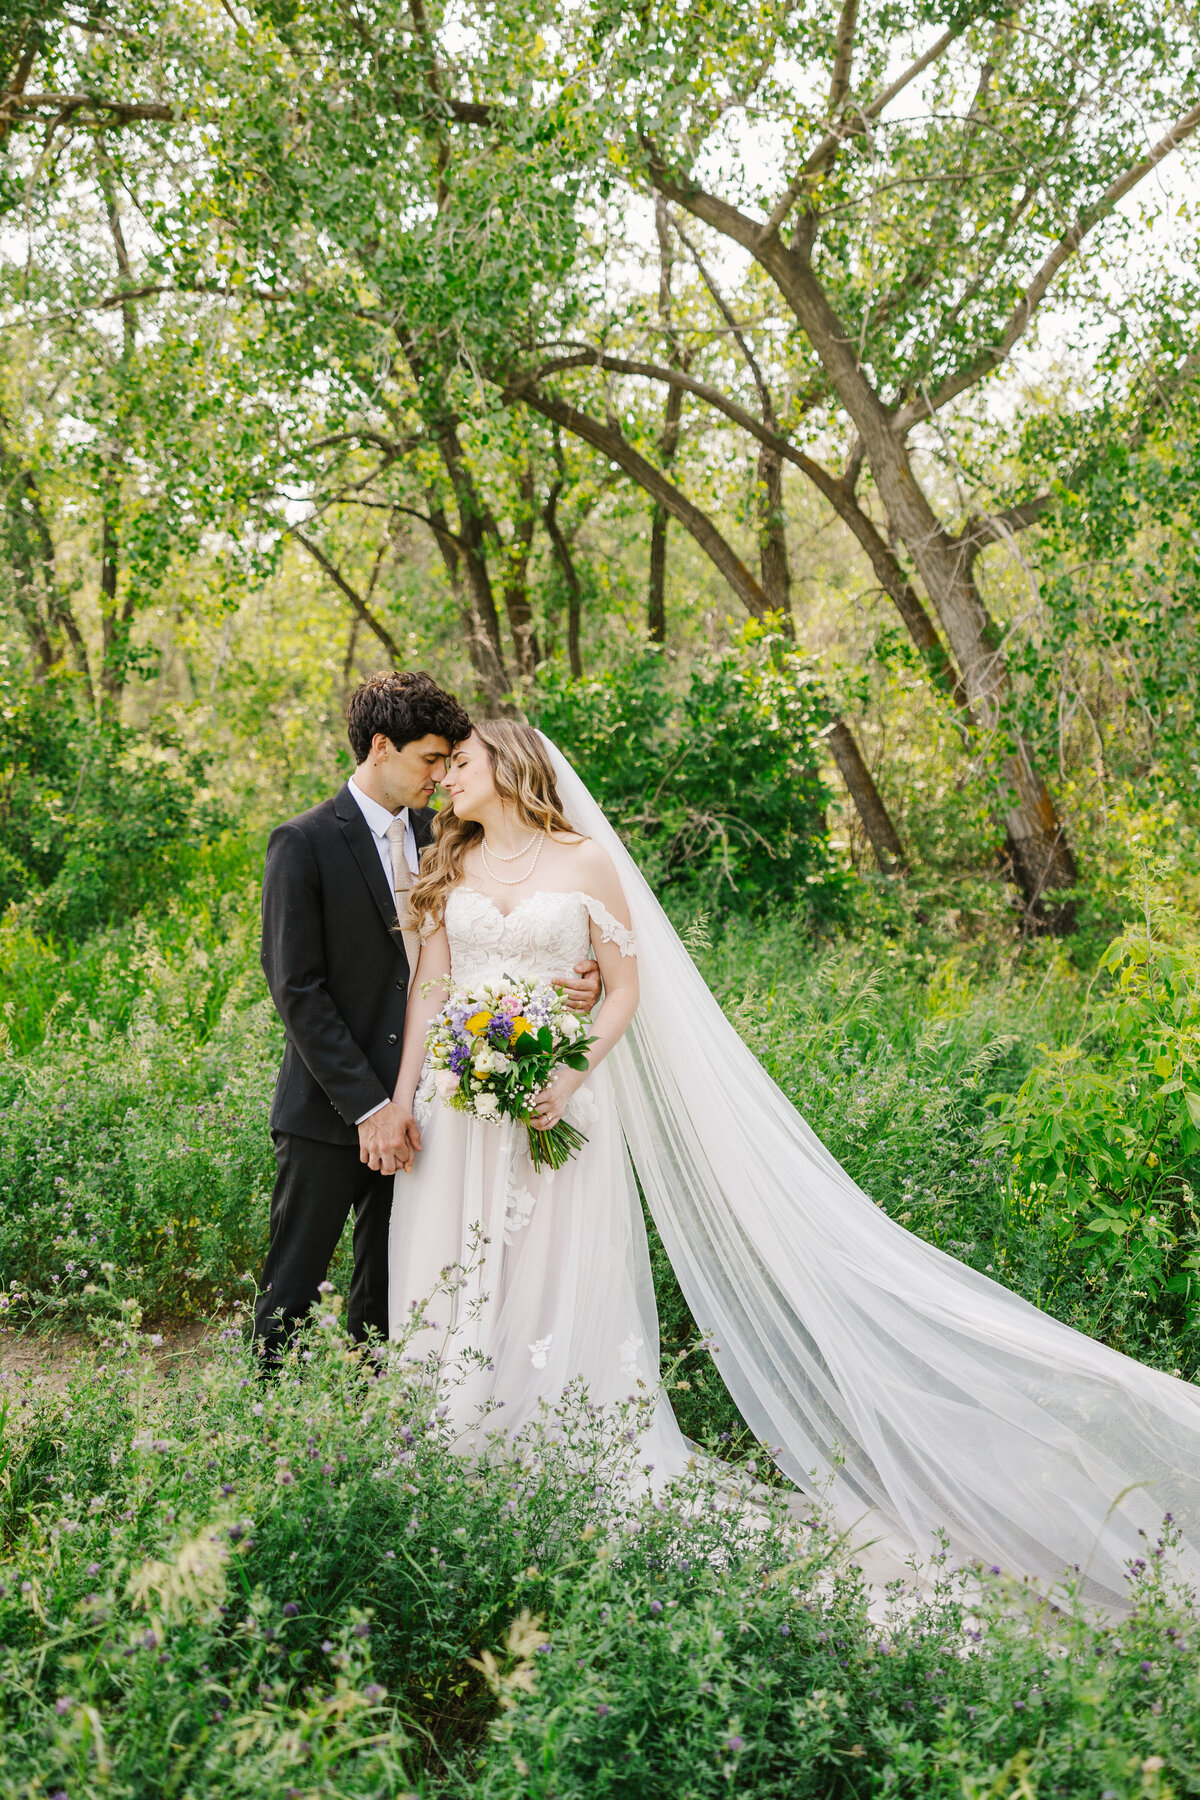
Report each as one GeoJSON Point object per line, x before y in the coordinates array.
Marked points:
{"type": "Point", "coordinates": [544, 935]}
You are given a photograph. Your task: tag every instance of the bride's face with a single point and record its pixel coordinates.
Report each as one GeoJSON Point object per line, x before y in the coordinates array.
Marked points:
{"type": "Point", "coordinates": [469, 784]}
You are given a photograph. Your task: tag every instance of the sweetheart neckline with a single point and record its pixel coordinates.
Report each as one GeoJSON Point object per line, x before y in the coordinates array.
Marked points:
{"type": "Point", "coordinates": [538, 894]}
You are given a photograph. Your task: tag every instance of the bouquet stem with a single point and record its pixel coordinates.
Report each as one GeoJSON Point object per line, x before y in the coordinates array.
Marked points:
{"type": "Point", "coordinates": [553, 1149]}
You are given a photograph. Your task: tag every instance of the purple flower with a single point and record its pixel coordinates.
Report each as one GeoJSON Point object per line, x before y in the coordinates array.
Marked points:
{"type": "Point", "coordinates": [93, 1569]}
{"type": "Point", "coordinates": [733, 1743]}
{"type": "Point", "coordinates": [374, 1692]}
{"type": "Point", "coordinates": [62, 1705]}
{"type": "Point", "coordinates": [656, 1606]}
{"type": "Point", "coordinates": [290, 1610]}
{"type": "Point", "coordinates": [602, 1712]}
{"type": "Point", "coordinates": [362, 1629]}
{"type": "Point", "coordinates": [327, 1646]}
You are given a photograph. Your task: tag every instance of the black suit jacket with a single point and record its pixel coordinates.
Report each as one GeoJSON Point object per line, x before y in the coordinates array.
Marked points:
{"type": "Point", "coordinates": [335, 964]}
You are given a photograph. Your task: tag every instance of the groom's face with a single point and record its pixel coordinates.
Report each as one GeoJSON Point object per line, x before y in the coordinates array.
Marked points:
{"type": "Point", "coordinates": [407, 776]}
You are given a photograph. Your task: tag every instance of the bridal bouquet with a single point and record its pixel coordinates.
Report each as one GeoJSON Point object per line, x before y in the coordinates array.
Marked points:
{"type": "Point", "coordinates": [494, 1046]}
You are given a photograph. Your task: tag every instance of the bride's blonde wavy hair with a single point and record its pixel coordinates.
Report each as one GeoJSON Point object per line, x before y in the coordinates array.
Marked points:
{"type": "Point", "coordinates": [524, 780]}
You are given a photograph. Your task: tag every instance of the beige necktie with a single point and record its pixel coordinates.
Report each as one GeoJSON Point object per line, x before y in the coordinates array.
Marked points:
{"type": "Point", "coordinates": [397, 831]}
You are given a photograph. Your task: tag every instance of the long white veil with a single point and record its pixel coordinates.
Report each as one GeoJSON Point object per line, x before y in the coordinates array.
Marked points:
{"type": "Point", "coordinates": [904, 1385]}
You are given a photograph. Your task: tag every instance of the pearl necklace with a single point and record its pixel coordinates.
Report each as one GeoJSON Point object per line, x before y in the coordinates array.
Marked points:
{"type": "Point", "coordinates": [502, 880]}
{"type": "Point", "coordinates": [496, 856]}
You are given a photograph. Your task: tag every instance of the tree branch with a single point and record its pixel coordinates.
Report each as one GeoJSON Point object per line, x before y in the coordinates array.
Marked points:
{"type": "Point", "coordinates": [1066, 247]}
{"type": "Point", "coordinates": [997, 527]}
{"type": "Point", "coordinates": [122, 110]}
{"type": "Point", "coordinates": [840, 496]}
{"type": "Point", "coordinates": [356, 600]}
{"type": "Point", "coordinates": [852, 124]}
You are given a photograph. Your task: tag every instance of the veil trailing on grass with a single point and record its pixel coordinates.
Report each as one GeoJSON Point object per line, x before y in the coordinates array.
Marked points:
{"type": "Point", "coordinates": [914, 1392]}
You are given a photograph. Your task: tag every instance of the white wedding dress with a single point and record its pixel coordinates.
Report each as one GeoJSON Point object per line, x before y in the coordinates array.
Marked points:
{"type": "Point", "coordinates": [554, 1283]}
{"type": "Point", "coordinates": [914, 1395]}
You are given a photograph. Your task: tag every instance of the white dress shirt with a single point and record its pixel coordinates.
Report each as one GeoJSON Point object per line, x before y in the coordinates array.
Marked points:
{"type": "Point", "coordinates": [378, 819]}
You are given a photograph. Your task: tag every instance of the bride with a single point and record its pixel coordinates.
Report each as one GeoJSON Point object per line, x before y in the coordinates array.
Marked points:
{"type": "Point", "coordinates": [917, 1394]}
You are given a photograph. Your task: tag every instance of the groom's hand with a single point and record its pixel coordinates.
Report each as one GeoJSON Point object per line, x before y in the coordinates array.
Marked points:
{"type": "Point", "coordinates": [389, 1139]}
{"type": "Point", "coordinates": [581, 990]}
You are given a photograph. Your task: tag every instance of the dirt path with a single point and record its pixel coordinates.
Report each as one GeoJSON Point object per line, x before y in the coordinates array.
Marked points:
{"type": "Point", "coordinates": [46, 1358]}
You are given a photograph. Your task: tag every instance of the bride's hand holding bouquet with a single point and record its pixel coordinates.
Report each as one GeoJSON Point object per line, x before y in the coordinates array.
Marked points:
{"type": "Point", "coordinates": [511, 1049]}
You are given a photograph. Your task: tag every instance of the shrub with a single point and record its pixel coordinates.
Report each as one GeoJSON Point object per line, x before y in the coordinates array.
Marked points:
{"type": "Point", "coordinates": [1104, 1132]}
{"type": "Point", "coordinates": [222, 1585]}
{"type": "Point", "coordinates": [94, 820]}
{"type": "Point", "coordinates": [717, 789]}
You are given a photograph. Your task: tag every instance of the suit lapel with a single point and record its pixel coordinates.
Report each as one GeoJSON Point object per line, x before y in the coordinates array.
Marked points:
{"type": "Point", "coordinates": [361, 844]}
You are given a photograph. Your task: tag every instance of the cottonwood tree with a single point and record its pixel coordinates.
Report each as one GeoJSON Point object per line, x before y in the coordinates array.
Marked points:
{"type": "Point", "coordinates": [914, 187]}
{"type": "Point", "coordinates": [401, 259]}
{"type": "Point", "coordinates": [123, 422]}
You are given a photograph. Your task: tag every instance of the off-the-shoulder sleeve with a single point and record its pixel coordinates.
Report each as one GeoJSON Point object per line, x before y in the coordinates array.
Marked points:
{"type": "Point", "coordinates": [611, 930]}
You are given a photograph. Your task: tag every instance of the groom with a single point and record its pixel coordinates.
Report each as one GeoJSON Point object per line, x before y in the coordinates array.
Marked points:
{"type": "Point", "coordinates": [338, 964]}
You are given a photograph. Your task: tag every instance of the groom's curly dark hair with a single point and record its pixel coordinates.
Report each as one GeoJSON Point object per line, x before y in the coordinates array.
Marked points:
{"type": "Point", "coordinates": [403, 704]}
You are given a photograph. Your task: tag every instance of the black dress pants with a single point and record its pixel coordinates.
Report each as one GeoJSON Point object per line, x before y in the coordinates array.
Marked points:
{"type": "Point", "coordinates": [316, 1187]}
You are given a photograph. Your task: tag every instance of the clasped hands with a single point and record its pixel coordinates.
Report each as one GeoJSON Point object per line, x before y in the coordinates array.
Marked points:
{"type": "Point", "coordinates": [389, 1140]}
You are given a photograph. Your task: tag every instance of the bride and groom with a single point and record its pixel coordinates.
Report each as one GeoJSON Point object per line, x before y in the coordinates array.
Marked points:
{"type": "Point", "coordinates": [917, 1394]}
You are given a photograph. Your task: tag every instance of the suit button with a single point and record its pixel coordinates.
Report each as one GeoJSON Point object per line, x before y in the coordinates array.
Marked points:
{"type": "Point", "coordinates": [400, 986]}
{"type": "Point", "coordinates": [392, 1038]}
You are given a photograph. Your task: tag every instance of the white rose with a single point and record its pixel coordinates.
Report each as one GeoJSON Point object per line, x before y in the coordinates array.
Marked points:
{"type": "Point", "coordinates": [445, 1081]}
{"type": "Point", "coordinates": [487, 1106]}
{"type": "Point", "coordinates": [500, 1062]}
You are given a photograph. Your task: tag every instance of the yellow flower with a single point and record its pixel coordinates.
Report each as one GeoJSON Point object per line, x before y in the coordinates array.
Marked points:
{"type": "Point", "coordinates": [520, 1026]}
{"type": "Point", "coordinates": [479, 1022]}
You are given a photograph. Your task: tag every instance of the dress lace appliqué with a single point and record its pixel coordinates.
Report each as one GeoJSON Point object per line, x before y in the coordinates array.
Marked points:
{"type": "Point", "coordinates": [611, 930]}
{"type": "Point", "coordinates": [520, 1201]}
{"type": "Point", "coordinates": [544, 935]}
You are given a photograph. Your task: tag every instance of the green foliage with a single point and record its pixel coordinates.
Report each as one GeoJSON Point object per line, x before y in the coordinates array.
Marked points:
{"type": "Point", "coordinates": [95, 821]}
{"type": "Point", "coordinates": [715, 787]}
{"type": "Point", "coordinates": [1104, 1132]}
{"type": "Point", "coordinates": [214, 1583]}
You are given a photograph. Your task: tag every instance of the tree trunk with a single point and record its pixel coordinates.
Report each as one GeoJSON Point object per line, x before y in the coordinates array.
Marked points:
{"type": "Point", "coordinates": [570, 575]}
{"type": "Point", "coordinates": [668, 443]}
{"type": "Point", "coordinates": [484, 646]}
{"type": "Point", "coordinates": [656, 595]}
{"type": "Point", "coordinates": [611, 443]}
{"type": "Point", "coordinates": [491, 676]}
{"type": "Point", "coordinates": [1040, 856]}
{"type": "Point", "coordinates": [772, 539]}
{"type": "Point", "coordinates": [516, 580]}
{"type": "Point", "coordinates": [112, 668]}
{"type": "Point", "coordinates": [868, 802]}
